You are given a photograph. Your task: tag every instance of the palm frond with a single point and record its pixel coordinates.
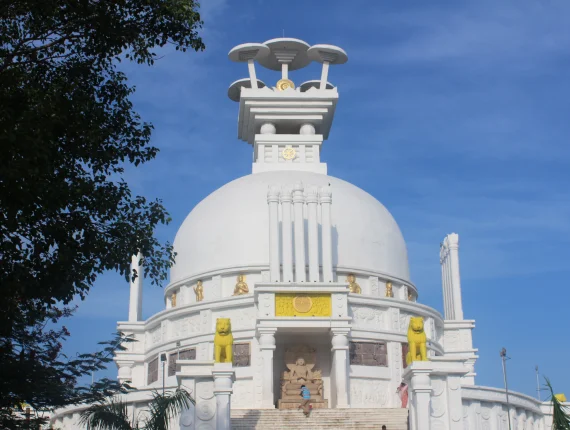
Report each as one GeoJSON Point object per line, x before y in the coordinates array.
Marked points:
{"type": "Point", "coordinates": [560, 417]}
{"type": "Point", "coordinates": [163, 408]}
{"type": "Point", "coordinates": [107, 415]}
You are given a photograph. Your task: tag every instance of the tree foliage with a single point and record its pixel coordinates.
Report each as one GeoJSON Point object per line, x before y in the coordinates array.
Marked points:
{"type": "Point", "coordinates": [560, 415]}
{"type": "Point", "coordinates": [112, 414]}
{"type": "Point", "coordinates": [67, 131]}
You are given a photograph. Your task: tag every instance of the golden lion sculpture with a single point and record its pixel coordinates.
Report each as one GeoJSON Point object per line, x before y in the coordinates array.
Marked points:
{"type": "Point", "coordinates": [223, 341]}
{"type": "Point", "coordinates": [417, 350]}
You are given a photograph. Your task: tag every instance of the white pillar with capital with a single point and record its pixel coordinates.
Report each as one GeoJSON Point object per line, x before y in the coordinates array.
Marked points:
{"type": "Point", "coordinates": [298, 203]}
{"type": "Point", "coordinates": [325, 199]}
{"type": "Point", "coordinates": [135, 299]}
{"type": "Point", "coordinates": [340, 362]}
{"type": "Point", "coordinates": [313, 234]}
{"type": "Point", "coordinates": [418, 377]}
{"type": "Point", "coordinates": [273, 202]}
{"type": "Point", "coordinates": [267, 347]}
{"type": "Point", "coordinates": [224, 376]}
{"type": "Point", "coordinates": [287, 234]}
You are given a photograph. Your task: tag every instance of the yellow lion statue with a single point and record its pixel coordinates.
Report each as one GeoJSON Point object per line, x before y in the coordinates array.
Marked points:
{"type": "Point", "coordinates": [223, 341]}
{"type": "Point", "coordinates": [417, 350]}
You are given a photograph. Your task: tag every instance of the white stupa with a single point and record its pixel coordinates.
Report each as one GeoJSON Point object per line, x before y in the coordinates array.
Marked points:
{"type": "Point", "coordinates": [306, 266]}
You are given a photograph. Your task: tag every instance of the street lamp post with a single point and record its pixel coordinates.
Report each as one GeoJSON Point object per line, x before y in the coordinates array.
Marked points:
{"type": "Point", "coordinates": [504, 359]}
{"type": "Point", "coordinates": [537, 384]}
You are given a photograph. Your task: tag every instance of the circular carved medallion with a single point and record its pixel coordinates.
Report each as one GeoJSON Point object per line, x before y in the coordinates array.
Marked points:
{"type": "Point", "coordinates": [302, 304]}
{"type": "Point", "coordinates": [289, 153]}
{"type": "Point", "coordinates": [284, 84]}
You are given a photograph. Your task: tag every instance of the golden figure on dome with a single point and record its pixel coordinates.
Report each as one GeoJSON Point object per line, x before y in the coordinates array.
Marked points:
{"type": "Point", "coordinates": [241, 286]}
{"type": "Point", "coordinates": [199, 291]}
{"type": "Point", "coordinates": [389, 290]}
{"type": "Point", "coordinates": [353, 287]}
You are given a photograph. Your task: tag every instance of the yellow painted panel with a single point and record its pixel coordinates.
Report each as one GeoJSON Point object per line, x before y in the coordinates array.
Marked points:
{"type": "Point", "coordinates": [303, 305]}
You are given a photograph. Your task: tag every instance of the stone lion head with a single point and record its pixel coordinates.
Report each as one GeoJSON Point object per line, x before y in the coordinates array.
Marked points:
{"type": "Point", "coordinates": [223, 326]}
{"type": "Point", "coordinates": [417, 324]}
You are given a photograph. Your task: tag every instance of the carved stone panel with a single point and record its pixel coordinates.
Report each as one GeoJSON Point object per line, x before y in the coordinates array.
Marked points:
{"type": "Point", "coordinates": [404, 353]}
{"type": "Point", "coordinates": [369, 354]}
{"type": "Point", "coordinates": [242, 354]}
{"type": "Point", "coordinates": [152, 375]}
{"type": "Point", "coordinates": [185, 354]}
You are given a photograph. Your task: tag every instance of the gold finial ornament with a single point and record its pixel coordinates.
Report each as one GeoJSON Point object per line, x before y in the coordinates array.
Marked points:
{"type": "Point", "coordinates": [353, 287]}
{"type": "Point", "coordinates": [241, 286]}
{"type": "Point", "coordinates": [389, 291]}
{"type": "Point", "coordinates": [284, 84]}
{"type": "Point", "coordinates": [199, 291]}
{"type": "Point", "coordinates": [289, 153]}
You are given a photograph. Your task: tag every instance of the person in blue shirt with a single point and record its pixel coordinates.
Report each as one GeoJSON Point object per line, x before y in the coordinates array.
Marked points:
{"type": "Point", "coordinates": [306, 400]}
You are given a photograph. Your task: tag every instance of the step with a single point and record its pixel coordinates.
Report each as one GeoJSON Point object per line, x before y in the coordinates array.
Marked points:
{"type": "Point", "coordinates": [275, 419]}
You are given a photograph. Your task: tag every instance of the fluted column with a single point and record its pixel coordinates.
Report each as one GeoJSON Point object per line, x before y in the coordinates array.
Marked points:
{"type": "Point", "coordinates": [287, 234]}
{"type": "Point", "coordinates": [455, 278]}
{"type": "Point", "coordinates": [135, 299]}
{"type": "Point", "coordinates": [267, 347]}
{"type": "Point", "coordinates": [298, 202]}
{"type": "Point", "coordinates": [325, 198]}
{"type": "Point", "coordinates": [420, 387]}
{"type": "Point", "coordinates": [224, 377]}
{"type": "Point", "coordinates": [313, 233]}
{"type": "Point", "coordinates": [273, 202]}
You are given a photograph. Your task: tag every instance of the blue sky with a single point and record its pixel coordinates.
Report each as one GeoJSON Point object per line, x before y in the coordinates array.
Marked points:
{"type": "Point", "coordinates": [453, 114]}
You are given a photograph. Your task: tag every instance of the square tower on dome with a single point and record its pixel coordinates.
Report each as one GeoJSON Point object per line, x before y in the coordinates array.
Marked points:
{"type": "Point", "coordinates": [285, 124]}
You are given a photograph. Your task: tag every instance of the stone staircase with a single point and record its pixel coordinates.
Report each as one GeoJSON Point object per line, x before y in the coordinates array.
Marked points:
{"type": "Point", "coordinates": [275, 419]}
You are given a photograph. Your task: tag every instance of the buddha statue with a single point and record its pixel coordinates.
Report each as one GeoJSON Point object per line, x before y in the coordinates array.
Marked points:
{"type": "Point", "coordinates": [389, 291]}
{"type": "Point", "coordinates": [241, 286]}
{"type": "Point", "coordinates": [199, 291]}
{"type": "Point", "coordinates": [410, 297]}
{"type": "Point", "coordinates": [299, 372]}
{"type": "Point", "coordinates": [353, 287]}
{"type": "Point", "coordinates": [173, 300]}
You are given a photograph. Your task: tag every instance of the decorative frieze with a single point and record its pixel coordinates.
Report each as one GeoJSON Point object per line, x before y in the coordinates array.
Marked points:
{"type": "Point", "coordinates": [369, 354]}
{"type": "Point", "coordinates": [242, 354]}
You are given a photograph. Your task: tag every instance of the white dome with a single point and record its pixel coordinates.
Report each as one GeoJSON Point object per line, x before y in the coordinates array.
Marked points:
{"type": "Point", "coordinates": [229, 229]}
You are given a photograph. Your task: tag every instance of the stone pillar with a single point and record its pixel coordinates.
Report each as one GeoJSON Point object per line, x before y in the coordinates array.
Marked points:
{"type": "Point", "coordinates": [267, 346]}
{"type": "Point", "coordinates": [135, 299]}
{"type": "Point", "coordinates": [223, 382]}
{"type": "Point", "coordinates": [325, 197]}
{"type": "Point", "coordinates": [287, 235]}
{"type": "Point", "coordinates": [340, 359]}
{"type": "Point", "coordinates": [298, 202]}
{"type": "Point", "coordinates": [313, 234]}
{"type": "Point", "coordinates": [273, 202]}
{"type": "Point", "coordinates": [455, 278]}
{"type": "Point", "coordinates": [418, 376]}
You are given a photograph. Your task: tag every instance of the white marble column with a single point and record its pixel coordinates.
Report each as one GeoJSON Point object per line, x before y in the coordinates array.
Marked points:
{"type": "Point", "coordinates": [298, 202]}
{"type": "Point", "coordinates": [273, 202]}
{"type": "Point", "coordinates": [340, 359]}
{"type": "Point", "coordinates": [287, 234]}
{"type": "Point", "coordinates": [418, 374]}
{"type": "Point", "coordinates": [267, 347]}
{"type": "Point", "coordinates": [325, 198]}
{"type": "Point", "coordinates": [135, 299]}
{"type": "Point", "coordinates": [455, 277]}
{"type": "Point", "coordinates": [223, 387]}
{"type": "Point", "coordinates": [313, 234]}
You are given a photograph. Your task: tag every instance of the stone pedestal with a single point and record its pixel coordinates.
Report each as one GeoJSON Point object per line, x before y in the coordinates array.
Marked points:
{"type": "Point", "coordinates": [435, 393]}
{"type": "Point", "coordinates": [224, 377]}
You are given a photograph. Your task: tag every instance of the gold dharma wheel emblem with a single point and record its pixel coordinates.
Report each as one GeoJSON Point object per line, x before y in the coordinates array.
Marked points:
{"type": "Point", "coordinates": [289, 153]}
{"type": "Point", "coordinates": [302, 304]}
{"type": "Point", "coordinates": [284, 84]}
